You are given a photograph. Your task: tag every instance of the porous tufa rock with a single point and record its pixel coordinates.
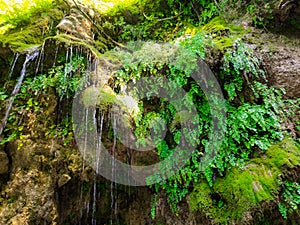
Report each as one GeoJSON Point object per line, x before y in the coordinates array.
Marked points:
{"type": "Point", "coordinates": [4, 163]}
{"type": "Point", "coordinates": [63, 180]}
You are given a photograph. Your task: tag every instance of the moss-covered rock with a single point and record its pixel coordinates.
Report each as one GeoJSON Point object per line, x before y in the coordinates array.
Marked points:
{"type": "Point", "coordinates": [41, 25]}
{"type": "Point", "coordinates": [100, 97]}
{"type": "Point", "coordinates": [234, 196]}
{"type": "Point", "coordinates": [223, 34]}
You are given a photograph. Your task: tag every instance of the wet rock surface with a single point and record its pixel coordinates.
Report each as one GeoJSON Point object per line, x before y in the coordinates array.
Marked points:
{"type": "Point", "coordinates": [281, 59]}
{"type": "Point", "coordinates": [78, 23]}
{"type": "Point", "coordinates": [4, 163]}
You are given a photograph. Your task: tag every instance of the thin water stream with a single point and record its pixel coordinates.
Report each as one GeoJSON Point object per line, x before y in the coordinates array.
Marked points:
{"type": "Point", "coordinates": [29, 57]}
{"type": "Point", "coordinates": [16, 57]}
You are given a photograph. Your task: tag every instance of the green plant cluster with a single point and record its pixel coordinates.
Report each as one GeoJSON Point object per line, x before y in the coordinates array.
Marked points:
{"type": "Point", "coordinates": [240, 67]}
{"type": "Point", "coordinates": [160, 20]}
{"type": "Point", "coordinates": [33, 102]}
{"type": "Point", "coordinates": [64, 79]}
{"type": "Point", "coordinates": [28, 23]}
{"type": "Point", "coordinates": [252, 121]}
{"type": "Point", "coordinates": [21, 14]}
{"type": "Point", "coordinates": [243, 189]}
{"type": "Point", "coordinates": [291, 198]}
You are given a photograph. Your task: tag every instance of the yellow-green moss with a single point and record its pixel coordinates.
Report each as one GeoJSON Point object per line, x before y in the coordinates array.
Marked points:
{"type": "Point", "coordinates": [223, 34]}
{"type": "Point", "coordinates": [70, 40]}
{"type": "Point", "coordinates": [20, 40]}
{"type": "Point", "coordinates": [100, 97]}
{"type": "Point", "coordinates": [31, 33]}
{"type": "Point", "coordinates": [244, 189]}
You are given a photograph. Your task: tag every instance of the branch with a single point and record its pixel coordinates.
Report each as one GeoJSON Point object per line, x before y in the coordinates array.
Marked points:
{"type": "Point", "coordinates": [168, 18]}
{"type": "Point", "coordinates": [195, 10]}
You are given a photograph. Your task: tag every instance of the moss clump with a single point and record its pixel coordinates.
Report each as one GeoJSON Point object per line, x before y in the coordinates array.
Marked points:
{"type": "Point", "coordinates": [32, 30]}
{"type": "Point", "coordinates": [98, 97]}
{"type": "Point", "coordinates": [21, 40]}
{"type": "Point", "coordinates": [223, 34]}
{"type": "Point", "coordinates": [71, 40]}
{"type": "Point", "coordinates": [244, 189]}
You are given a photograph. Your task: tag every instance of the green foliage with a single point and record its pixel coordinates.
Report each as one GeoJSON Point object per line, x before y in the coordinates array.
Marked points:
{"type": "Point", "coordinates": [251, 126]}
{"type": "Point", "coordinates": [28, 23]}
{"type": "Point", "coordinates": [291, 198]}
{"type": "Point", "coordinates": [203, 10]}
{"type": "Point", "coordinates": [62, 130]}
{"type": "Point", "coordinates": [222, 33]}
{"type": "Point", "coordinates": [261, 12]}
{"type": "Point", "coordinates": [240, 65]}
{"type": "Point", "coordinates": [160, 20]}
{"type": "Point", "coordinates": [153, 206]}
{"type": "Point", "coordinates": [3, 95]}
{"type": "Point", "coordinates": [18, 13]}
{"type": "Point", "coordinates": [65, 79]}
{"type": "Point", "coordinates": [240, 190]}
{"type": "Point", "coordinates": [32, 100]}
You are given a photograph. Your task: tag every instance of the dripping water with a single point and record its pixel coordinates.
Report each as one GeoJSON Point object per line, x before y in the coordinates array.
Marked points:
{"type": "Point", "coordinates": [40, 59]}
{"type": "Point", "coordinates": [71, 52]}
{"type": "Point", "coordinates": [55, 56]}
{"type": "Point", "coordinates": [89, 60]}
{"type": "Point", "coordinates": [84, 156]}
{"type": "Point", "coordinates": [112, 184]}
{"type": "Point", "coordinates": [29, 57]}
{"type": "Point", "coordinates": [51, 25]}
{"type": "Point", "coordinates": [96, 73]}
{"type": "Point", "coordinates": [98, 123]}
{"type": "Point", "coordinates": [16, 57]}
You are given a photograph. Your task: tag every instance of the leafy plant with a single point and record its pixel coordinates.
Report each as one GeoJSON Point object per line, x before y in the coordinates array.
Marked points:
{"type": "Point", "coordinates": [291, 198]}
{"type": "Point", "coordinates": [19, 13]}
{"type": "Point", "coordinates": [65, 79]}
{"type": "Point", "coordinates": [240, 65]}
{"type": "Point", "coordinates": [252, 126]}
{"type": "Point", "coordinates": [29, 106]}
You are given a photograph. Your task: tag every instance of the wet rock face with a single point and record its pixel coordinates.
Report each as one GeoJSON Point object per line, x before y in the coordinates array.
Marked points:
{"type": "Point", "coordinates": [288, 9]}
{"type": "Point", "coordinates": [5, 55]}
{"type": "Point", "coordinates": [278, 12]}
{"type": "Point", "coordinates": [4, 163]}
{"type": "Point", "coordinates": [77, 23]}
{"type": "Point", "coordinates": [285, 70]}
{"type": "Point", "coordinates": [280, 57]}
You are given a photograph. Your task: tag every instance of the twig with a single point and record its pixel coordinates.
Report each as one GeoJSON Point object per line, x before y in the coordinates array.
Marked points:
{"type": "Point", "coordinates": [195, 10]}
{"type": "Point", "coordinates": [168, 18]}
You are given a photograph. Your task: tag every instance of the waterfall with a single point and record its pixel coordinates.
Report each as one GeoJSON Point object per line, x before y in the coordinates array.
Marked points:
{"type": "Point", "coordinates": [29, 57]}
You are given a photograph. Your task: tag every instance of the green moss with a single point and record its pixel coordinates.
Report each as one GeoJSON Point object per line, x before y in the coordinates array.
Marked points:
{"type": "Point", "coordinates": [31, 32]}
{"type": "Point", "coordinates": [101, 97]}
{"type": "Point", "coordinates": [20, 40]}
{"type": "Point", "coordinates": [201, 199]}
{"type": "Point", "coordinates": [70, 40]}
{"type": "Point", "coordinates": [244, 189]}
{"type": "Point", "coordinates": [223, 34]}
